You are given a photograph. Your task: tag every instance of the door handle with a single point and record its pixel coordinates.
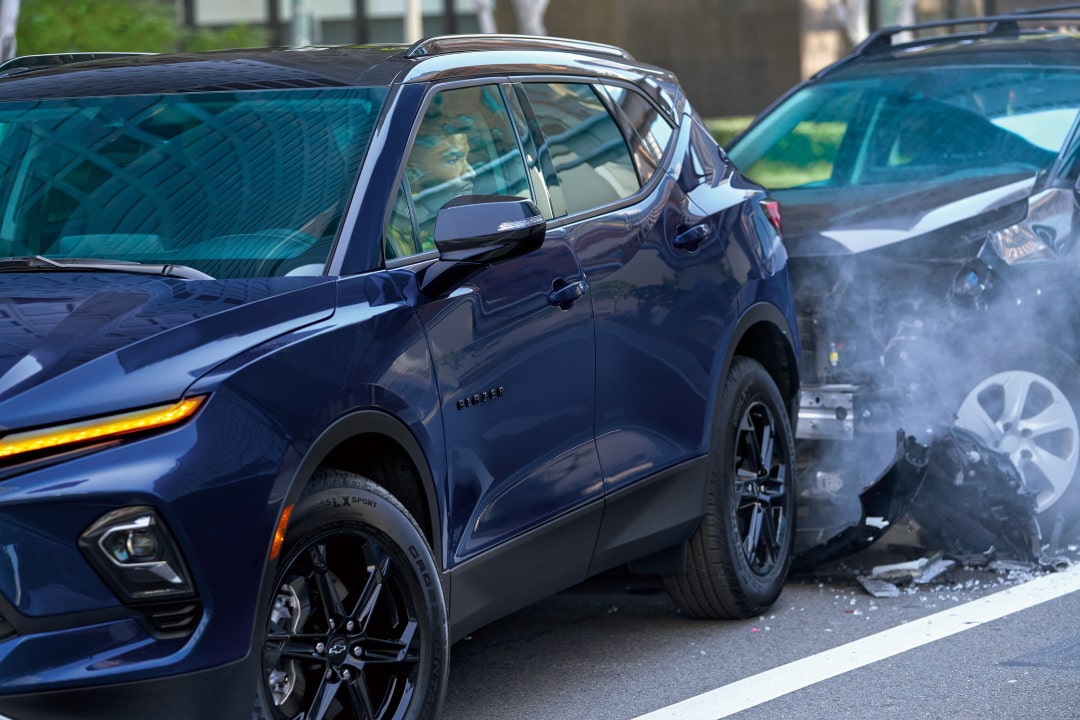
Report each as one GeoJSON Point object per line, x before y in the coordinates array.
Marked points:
{"type": "Point", "coordinates": [692, 238]}
{"type": "Point", "coordinates": [565, 293]}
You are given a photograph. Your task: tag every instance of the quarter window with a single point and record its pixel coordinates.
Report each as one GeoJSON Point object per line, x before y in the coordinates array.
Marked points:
{"type": "Point", "coordinates": [649, 131]}
{"type": "Point", "coordinates": [591, 158]}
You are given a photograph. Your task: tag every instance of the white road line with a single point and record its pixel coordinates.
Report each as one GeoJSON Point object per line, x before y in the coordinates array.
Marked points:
{"type": "Point", "coordinates": [753, 691]}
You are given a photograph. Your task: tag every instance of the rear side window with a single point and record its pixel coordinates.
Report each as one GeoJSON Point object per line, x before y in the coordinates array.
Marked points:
{"type": "Point", "coordinates": [648, 131]}
{"type": "Point", "coordinates": [592, 161]}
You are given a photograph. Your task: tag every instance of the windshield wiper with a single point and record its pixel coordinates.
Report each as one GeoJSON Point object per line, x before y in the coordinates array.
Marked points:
{"type": "Point", "coordinates": [39, 262]}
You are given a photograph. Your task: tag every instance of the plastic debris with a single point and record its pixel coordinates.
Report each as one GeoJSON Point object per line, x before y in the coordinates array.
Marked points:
{"type": "Point", "coordinates": [879, 588]}
{"type": "Point", "coordinates": [934, 570]}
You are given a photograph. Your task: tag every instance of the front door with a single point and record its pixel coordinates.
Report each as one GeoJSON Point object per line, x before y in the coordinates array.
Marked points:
{"type": "Point", "coordinates": [515, 367]}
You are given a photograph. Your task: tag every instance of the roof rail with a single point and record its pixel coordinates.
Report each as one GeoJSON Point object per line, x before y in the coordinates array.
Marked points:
{"type": "Point", "coordinates": [26, 63]}
{"type": "Point", "coordinates": [485, 41]}
{"type": "Point", "coordinates": [996, 25]}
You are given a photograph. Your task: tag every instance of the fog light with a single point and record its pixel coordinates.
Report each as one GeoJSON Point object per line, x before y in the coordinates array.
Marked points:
{"type": "Point", "coordinates": [136, 556]}
{"type": "Point", "coordinates": [131, 543]}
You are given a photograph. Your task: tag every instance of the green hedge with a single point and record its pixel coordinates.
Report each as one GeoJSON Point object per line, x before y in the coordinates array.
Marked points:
{"type": "Point", "coordinates": [725, 128]}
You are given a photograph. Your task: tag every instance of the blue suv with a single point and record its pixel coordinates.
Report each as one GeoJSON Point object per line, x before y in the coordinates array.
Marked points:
{"type": "Point", "coordinates": [315, 360]}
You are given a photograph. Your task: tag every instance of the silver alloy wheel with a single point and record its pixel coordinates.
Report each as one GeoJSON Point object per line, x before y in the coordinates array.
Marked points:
{"type": "Point", "coordinates": [1027, 417]}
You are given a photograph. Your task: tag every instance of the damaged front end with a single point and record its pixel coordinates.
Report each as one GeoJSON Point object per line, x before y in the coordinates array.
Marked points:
{"type": "Point", "coordinates": [963, 500]}
{"type": "Point", "coordinates": [964, 338]}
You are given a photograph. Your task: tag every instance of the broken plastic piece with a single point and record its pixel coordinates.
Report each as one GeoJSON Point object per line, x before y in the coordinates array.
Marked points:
{"type": "Point", "coordinates": [934, 570]}
{"type": "Point", "coordinates": [905, 569]}
{"type": "Point", "coordinates": [879, 588]}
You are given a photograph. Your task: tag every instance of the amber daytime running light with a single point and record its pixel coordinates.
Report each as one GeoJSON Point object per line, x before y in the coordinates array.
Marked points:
{"type": "Point", "coordinates": [88, 430]}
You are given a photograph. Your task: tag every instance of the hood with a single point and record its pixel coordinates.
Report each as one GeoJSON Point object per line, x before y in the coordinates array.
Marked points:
{"type": "Point", "coordinates": [79, 345]}
{"type": "Point", "coordinates": [832, 221]}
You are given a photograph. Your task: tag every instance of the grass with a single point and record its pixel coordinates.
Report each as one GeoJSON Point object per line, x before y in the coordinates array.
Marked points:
{"type": "Point", "coordinates": [725, 128]}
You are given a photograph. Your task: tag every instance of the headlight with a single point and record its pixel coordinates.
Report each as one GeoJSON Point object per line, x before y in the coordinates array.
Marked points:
{"type": "Point", "coordinates": [135, 554]}
{"type": "Point", "coordinates": [1044, 234]}
{"type": "Point", "coordinates": [65, 437]}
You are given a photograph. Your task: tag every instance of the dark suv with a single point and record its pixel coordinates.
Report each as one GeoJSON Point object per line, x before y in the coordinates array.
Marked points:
{"type": "Point", "coordinates": [313, 361]}
{"type": "Point", "coordinates": [929, 188]}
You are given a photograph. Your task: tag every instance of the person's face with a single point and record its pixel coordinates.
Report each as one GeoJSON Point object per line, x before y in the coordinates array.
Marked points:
{"type": "Point", "coordinates": [443, 159]}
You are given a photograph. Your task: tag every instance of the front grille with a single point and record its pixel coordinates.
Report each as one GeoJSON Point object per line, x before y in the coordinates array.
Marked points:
{"type": "Point", "coordinates": [176, 619]}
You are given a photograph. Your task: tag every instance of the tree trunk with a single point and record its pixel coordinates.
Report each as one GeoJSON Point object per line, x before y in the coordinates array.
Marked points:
{"type": "Point", "coordinates": [854, 19]}
{"type": "Point", "coordinates": [9, 20]}
{"type": "Point", "coordinates": [485, 15]}
{"type": "Point", "coordinates": [530, 16]}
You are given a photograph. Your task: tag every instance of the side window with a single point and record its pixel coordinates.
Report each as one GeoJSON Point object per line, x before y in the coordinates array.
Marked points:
{"type": "Point", "coordinates": [649, 133]}
{"type": "Point", "coordinates": [591, 158]}
{"type": "Point", "coordinates": [401, 235]}
{"type": "Point", "coordinates": [704, 158]}
{"type": "Point", "coordinates": [465, 144]}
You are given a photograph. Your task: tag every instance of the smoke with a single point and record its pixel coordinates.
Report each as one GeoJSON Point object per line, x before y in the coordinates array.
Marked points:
{"type": "Point", "coordinates": [967, 356]}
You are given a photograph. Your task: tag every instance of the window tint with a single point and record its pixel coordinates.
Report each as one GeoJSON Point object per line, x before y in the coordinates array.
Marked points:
{"type": "Point", "coordinates": [703, 158]}
{"type": "Point", "coordinates": [239, 184]}
{"type": "Point", "coordinates": [592, 161]}
{"type": "Point", "coordinates": [402, 238]}
{"type": "Point", "coordinates": [904, 126]}
{"type": "Point", "coordinates": [798, 148]}
{"type": "Point", "coordinates": [464, 145]}
{"type": "Point", "coordinates": [649, 130]}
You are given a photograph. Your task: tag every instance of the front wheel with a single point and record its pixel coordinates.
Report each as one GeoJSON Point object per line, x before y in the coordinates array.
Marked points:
{"type": "Point", "coordinates": [740, 556]}
{"type": "Point", "coordinates": [356, 627]}
{"type": "Point", "coordinates": [1032, 414]}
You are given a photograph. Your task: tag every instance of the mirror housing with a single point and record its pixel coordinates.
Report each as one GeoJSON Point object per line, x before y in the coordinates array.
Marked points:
{"type": "Point", "coordinates": [487, 228]}
{"type": "Point", "coordinates": [476, 230]}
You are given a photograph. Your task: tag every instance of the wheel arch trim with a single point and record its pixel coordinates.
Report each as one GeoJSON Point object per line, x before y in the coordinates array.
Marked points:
{"type": "Point", "coordinates": [372, 421]}
{"type": "Point", "coordinates": [763, 313]}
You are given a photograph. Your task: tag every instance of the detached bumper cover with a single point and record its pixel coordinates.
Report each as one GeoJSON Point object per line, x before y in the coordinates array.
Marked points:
{"type": "Point", "coordinates": [834, 526]}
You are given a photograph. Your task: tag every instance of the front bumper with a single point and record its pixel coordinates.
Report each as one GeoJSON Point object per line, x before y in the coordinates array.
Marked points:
{"type": "Point", "coordinates": [832, 525]}
{"type": "Point", "coordinates": [222, 693]}
{"type": "Point", "coordinates": [69, 646]}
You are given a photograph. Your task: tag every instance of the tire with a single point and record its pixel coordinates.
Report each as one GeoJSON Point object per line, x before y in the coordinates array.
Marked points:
{"type": "Point", "coordinates": [357, 625]}
{"type": "Point", "coordinates": [1030, 410]}
{"type": "Point", "coordinates": [740, 555]}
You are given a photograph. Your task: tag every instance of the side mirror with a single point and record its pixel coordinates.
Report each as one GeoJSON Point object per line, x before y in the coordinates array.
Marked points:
{"type": "Point", "coordinates": [476, 230]}
{"type": "Point", "coordinates": [487, 228]}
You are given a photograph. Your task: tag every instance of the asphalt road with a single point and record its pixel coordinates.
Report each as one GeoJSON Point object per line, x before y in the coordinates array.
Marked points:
{"type": "Point", "coordinates": [615, 648]}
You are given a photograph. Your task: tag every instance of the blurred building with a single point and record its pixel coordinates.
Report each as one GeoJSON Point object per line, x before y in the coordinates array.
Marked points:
{"type": "Point", "coordinates": [733, 57]}
{"type": "Point", "coordinates": [334, 22]}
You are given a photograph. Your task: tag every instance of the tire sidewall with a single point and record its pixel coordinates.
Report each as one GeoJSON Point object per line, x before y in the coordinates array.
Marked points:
{"type": "Point", "coordinates": [749, 383]}
{"type": "Point", "coordinates": [362, 507]}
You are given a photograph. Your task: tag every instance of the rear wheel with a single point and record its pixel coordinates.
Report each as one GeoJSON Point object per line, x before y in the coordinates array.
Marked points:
{"type": "Point", "coordinates": [740, 556]}
{"type": "Point", "coordinates": [357, 624]}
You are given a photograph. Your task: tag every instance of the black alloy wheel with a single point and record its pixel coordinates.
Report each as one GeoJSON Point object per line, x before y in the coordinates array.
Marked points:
{"type": "Point", "coordinates": [357, 626]}
{"type": "Point", "coordinates": [738, 559]}
{"type": "Point", "coordinates": [761, 490]}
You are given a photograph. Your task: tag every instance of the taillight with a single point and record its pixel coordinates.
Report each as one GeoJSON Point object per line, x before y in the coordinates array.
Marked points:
{"type": "Point", "coordinates": [772, 211]}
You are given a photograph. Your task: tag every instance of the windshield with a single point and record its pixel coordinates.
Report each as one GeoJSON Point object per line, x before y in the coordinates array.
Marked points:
{"type": "Point", "coordinates": [232, 184]}
{"type": "Point", "coordinates": [957, 121]}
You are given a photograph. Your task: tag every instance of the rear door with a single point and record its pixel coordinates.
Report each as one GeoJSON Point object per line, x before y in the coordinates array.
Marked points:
{"type": "Point", "coordinates": [662, 294]}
